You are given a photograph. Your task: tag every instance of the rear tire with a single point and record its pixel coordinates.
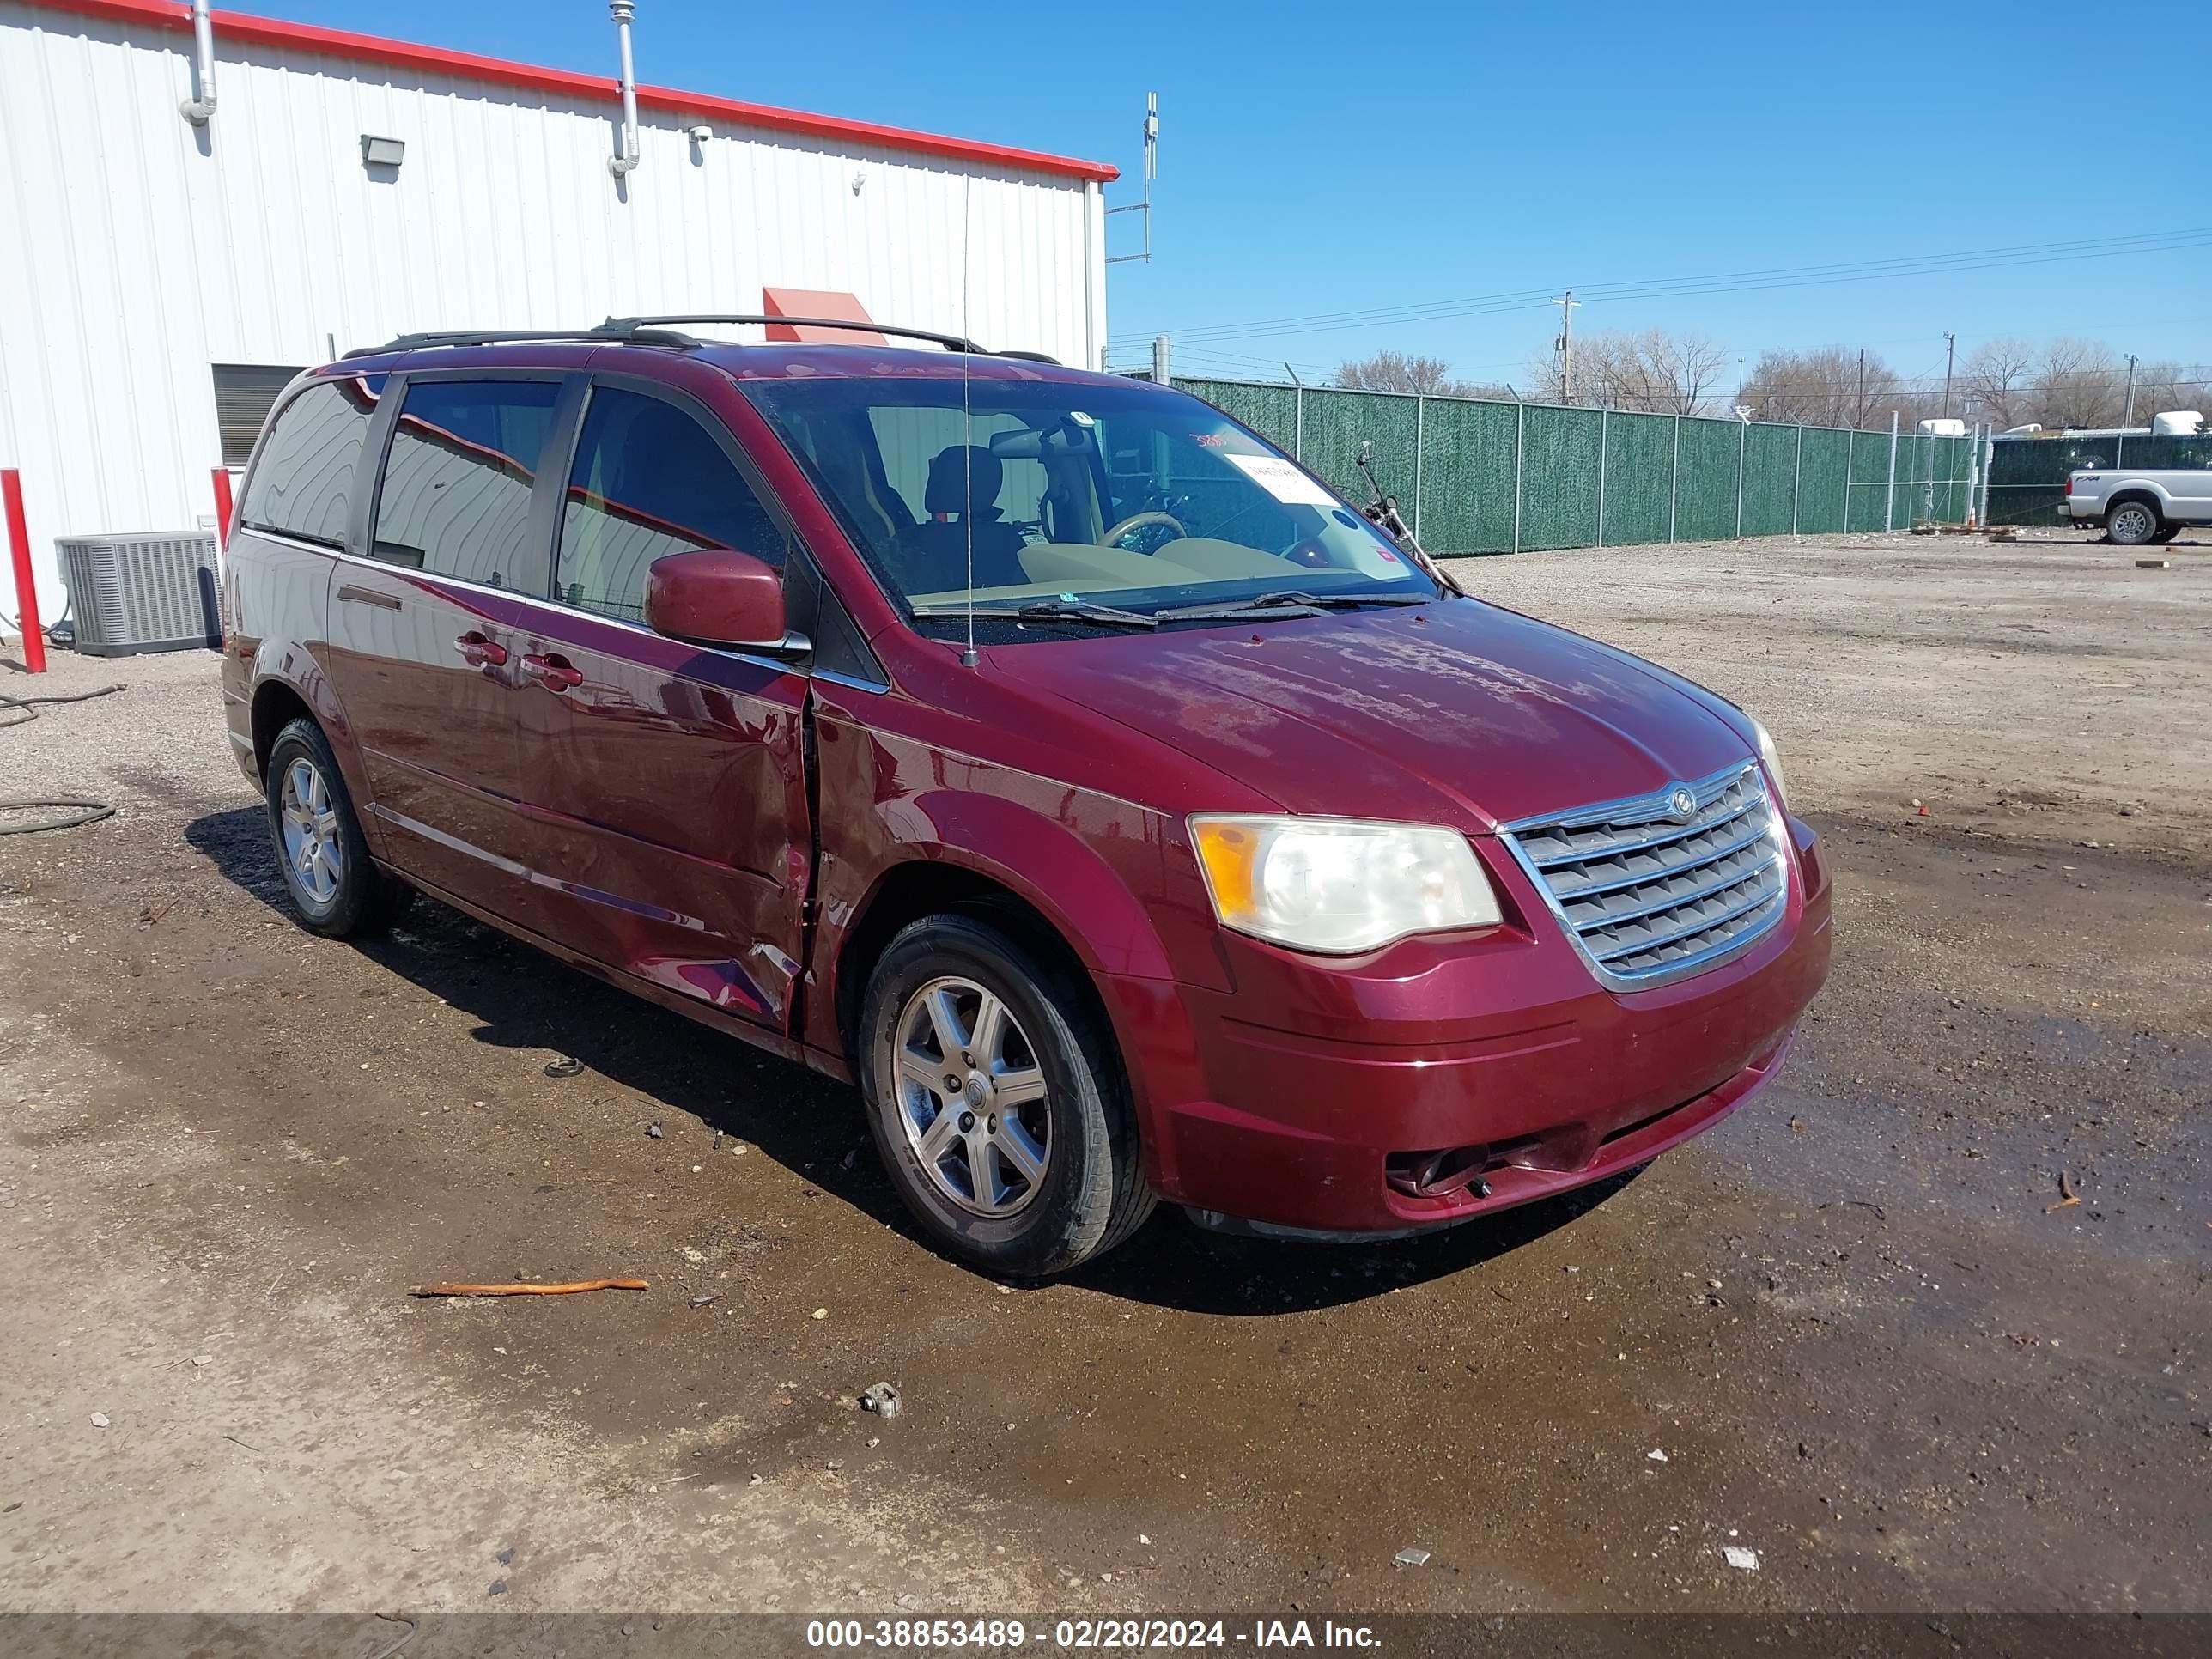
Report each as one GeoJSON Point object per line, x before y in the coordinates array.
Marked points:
{"type": "Point", "coordinates": [996, 1100]}
{"type": "Point", "coordinates": [2132, 523]}
{"type": "Point", "coordinates": [334, 887]}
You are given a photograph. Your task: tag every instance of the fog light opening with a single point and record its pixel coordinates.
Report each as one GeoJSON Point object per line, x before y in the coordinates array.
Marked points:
{"type": "Point", "coordinates": [1454, 1172]}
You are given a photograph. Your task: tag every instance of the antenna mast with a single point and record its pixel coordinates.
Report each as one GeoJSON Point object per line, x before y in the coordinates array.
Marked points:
{"type": "Point", "coordinates": [1152, 171]}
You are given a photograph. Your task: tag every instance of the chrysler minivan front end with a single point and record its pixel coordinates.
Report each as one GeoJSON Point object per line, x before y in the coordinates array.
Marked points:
{"type": "Point", "coordinates": [1619, 979]}
{"type": "Point", "coordinates": [1523, 912]}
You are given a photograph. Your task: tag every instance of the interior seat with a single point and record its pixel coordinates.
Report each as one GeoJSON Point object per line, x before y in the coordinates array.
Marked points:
{"type": "Point", "coordinates": [934, 554]}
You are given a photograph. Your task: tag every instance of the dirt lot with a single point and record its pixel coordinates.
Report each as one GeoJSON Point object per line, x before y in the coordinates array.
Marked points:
{"type": "Point", "coordinates": [1844, 1330]}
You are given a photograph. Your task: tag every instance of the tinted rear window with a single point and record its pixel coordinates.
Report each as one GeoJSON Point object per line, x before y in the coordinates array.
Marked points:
{"type": "Point", "coordinates": [457, 480]}
{"type": "Point", "coordinates": [303, 485]}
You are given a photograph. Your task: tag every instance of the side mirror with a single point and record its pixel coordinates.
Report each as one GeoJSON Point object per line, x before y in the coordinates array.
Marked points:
{"type": "Point", "coordinates": [720, 597]}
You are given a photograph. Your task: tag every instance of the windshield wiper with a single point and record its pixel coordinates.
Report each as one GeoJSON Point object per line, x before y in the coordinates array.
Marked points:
{"type": "Point", "coordinates": [1074, 611]}
{"type": "Point", "coordinates": [1289, 604]}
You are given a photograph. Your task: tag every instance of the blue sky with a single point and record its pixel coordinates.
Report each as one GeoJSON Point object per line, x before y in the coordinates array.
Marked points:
{"type": "Point", "coordinates": [1325, 159]}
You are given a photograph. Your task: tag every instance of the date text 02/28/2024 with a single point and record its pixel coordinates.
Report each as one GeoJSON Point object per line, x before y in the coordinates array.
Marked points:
{"type": "Point", "coordinates": [1075, 1635]}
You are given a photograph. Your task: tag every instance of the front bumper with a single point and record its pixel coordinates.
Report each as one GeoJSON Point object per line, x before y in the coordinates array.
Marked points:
{"type": "Point", "coordinates": [1288, 1102]}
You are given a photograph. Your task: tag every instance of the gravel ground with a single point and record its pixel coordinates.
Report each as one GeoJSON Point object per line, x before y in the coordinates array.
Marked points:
{"type": "Point", "coordinates": [1868, 1341]}
{"type": "Point", "coordinates": [146, 748]}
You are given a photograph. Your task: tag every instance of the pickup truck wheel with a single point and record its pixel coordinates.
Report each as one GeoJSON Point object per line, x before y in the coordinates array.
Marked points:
{"type": "Point", "coordinates": [997, 1101]}
{"type": "Point", "coordinates": [2131, 523]}
{"type": "Point", "coordinates": [334, 887]}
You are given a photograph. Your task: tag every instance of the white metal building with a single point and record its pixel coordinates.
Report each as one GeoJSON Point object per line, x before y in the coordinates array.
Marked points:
{"type": "Point", "coordinates": [163, 276]}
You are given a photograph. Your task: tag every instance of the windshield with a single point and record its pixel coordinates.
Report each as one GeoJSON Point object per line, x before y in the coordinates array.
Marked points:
{"type": "Point", "coordinates": [1078, 504]}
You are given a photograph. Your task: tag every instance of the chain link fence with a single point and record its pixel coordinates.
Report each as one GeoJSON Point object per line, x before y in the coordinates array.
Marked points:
{"type": "Point", "coordinates": [1477, 477]}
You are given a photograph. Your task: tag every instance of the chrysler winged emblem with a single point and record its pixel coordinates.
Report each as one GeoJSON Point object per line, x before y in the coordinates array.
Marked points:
{"type": "Point", "coordinates": [1682, 804]}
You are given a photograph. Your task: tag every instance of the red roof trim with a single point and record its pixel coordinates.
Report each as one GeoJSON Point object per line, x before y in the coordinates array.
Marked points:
{"type": "Point", "coordinates": [375, 49]}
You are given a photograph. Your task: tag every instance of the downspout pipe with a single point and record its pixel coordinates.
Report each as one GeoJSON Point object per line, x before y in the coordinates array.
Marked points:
{"type": "Point", "coordinates": [201, 105]}
{"type": "Point", "coordinates": [626, 162]}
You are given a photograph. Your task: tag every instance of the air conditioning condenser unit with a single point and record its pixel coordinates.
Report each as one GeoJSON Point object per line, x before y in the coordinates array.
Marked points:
{"type": "Point", "coordinates": [148, 591]}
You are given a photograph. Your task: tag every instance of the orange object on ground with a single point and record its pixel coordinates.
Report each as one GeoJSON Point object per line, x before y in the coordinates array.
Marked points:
{"type": "Point", "coordinates": [520, 1289]}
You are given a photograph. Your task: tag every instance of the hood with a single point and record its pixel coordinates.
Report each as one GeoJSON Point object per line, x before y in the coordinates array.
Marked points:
{"type": "Point", "coordinates": [1459, 713]}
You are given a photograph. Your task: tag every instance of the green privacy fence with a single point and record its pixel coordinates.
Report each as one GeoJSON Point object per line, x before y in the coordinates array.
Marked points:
{"type": "Point", "coordinates": [1475, 477]}
{"type": "Point", "coordinates": [2027, 475]}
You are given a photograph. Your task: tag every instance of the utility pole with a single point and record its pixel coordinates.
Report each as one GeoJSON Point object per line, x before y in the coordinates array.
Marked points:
{"type": "Point", "coordinates": [2129, 419]}
{"type": "Point", "coordinates": [1858, 417]}
{"type": "Point", "coordinates": [1950, 352]}
{"type": "Point", "coordinates": [1160, 363]}
{"type": "Point", "coordinates": [1566, 303]}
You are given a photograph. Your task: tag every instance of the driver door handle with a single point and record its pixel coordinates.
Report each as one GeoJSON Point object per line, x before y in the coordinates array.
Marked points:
{"type": "Point", "coordinates": [554, 673]}
{"type": "Point", "coordinates": [478, 651]}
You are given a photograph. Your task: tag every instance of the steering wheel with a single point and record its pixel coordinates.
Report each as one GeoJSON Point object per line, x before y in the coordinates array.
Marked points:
{"type": "Point", "coordinates": [1137, 521]}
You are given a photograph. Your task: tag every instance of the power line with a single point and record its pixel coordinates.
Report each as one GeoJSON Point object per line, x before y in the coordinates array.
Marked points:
{"type": "Point", "coordinates": [1722, 283]}
{"type": "Point", "coordinates": [2154, 241]}
{"type": "Point", "coordinates": [1218, 356]}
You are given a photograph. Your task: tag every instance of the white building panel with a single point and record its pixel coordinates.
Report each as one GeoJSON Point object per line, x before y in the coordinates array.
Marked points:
{"type": "Point", "coordinates": [141, 249]}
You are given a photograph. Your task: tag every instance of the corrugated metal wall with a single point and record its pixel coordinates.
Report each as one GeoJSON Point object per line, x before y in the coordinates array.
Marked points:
{"type": "Point", "coordinates": [1491, 477]}
{"type": "Point", "coordinates": [141, 250]}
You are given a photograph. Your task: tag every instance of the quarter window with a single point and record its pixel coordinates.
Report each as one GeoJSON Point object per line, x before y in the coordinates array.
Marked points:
{"type": "Point", "coordinates": [303, 485]}
{"type": "Point", "coordinates": [456, 495]}
{"type": "Point", "coordinates": [649, 480]}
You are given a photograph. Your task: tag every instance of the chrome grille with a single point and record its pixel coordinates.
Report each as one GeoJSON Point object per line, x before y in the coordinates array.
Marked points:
{"type": "Point", "coordinates": [1650, 893]}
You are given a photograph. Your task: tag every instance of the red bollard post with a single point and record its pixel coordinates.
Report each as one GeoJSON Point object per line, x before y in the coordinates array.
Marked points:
{"type": "Point", "coordinates": [222, 509]}
{"type": "Point", "coordinates": [27, 593]}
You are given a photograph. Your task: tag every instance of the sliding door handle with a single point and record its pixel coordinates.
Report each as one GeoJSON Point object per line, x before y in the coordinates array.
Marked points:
{"type": "Point", "coordinates": [478, 651]}
{"type": "Point", "coordinates": [554, 673]}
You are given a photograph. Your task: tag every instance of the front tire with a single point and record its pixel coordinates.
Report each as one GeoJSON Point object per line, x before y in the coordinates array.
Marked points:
{"type": "Point", "coordinates": [2132, 523]}
{"type": "Point", "coordinates": [334, 887]}
{"type": "Point", "coordinates": [997, 1101]}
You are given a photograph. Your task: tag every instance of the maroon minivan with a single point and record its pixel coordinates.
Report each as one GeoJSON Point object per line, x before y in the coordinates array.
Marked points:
{"type": "Point", "coordinates": [1041, 752]}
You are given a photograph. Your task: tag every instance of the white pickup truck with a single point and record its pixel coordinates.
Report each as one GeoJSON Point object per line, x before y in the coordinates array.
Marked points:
{"type": "Point", "coordinates": [2139, 504]}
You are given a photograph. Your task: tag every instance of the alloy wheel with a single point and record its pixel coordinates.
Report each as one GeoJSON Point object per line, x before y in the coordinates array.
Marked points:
{"type": "Point", "coordinates": [2133, 523]}
{"type": "Point", "coordinates": [971, 1097]}
{"type": "Point", "coordinates": [315, 850]}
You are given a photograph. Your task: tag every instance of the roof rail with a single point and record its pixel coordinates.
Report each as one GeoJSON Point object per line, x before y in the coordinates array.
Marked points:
{"type": "Point", "coordinates": [949, 341]}
{"type": "Point", "coordinates": [605, 333]}
{"type": "Point", "coordinates": [654, 331]}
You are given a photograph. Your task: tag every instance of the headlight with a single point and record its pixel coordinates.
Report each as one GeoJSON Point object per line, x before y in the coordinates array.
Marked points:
{"type": "Point", "coordinates": [1338, 885]}
{"type": "Point", "coordinates": [1768, 754]}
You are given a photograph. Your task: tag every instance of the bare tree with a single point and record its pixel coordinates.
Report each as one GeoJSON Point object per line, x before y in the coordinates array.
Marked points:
{"type": "Point", "coordinates": [1826, 387]}
{"type": "Point", "coordinates": [2164, 386]}
{"type": "Point", "coordinates": [1396, 371]}
{"type": "Point", "coordinates": [1654, 371]}
{"type": "Point", "coordinates": [2079, 384]}
{"type": "Point", "coordinates": [1996, 380]}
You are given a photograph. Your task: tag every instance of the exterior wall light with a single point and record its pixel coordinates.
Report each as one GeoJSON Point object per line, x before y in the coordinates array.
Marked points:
{"type": "Point", "coordinates": [381, 152]}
